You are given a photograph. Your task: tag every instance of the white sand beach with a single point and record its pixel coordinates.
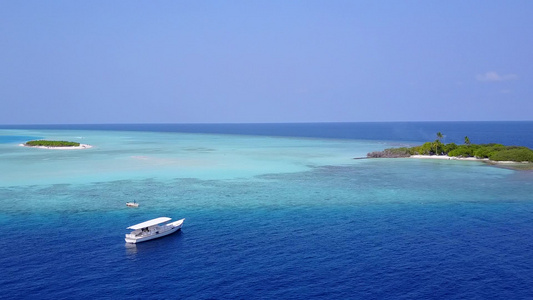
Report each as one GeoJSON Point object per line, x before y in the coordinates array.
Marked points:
{"type": "Point", "coordinates": [81, 146]}
{"type": "Point", "coordinates": [493, 162]}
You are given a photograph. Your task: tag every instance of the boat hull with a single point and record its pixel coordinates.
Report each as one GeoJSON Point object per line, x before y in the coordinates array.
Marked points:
{"type": "Point", "coordinates": [175, 226]}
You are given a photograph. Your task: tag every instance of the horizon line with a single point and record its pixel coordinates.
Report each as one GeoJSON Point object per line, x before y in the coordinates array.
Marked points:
{"type": "Point", "coordinates": [253, 123]}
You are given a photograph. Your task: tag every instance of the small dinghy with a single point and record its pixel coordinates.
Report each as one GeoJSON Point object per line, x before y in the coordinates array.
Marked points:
{"type": "Point", "coordinates": [132, 204]}
{"type": "Point", "coordinates": [152, 229]}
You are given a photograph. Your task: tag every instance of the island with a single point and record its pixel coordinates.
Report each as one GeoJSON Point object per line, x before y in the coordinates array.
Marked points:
{"type": "Point", "coordinates": [514, 157]}
{"type": "Point", "coordinates": [45, 144]}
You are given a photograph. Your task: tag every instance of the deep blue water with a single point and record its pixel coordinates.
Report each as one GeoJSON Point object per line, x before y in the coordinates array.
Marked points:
{"type": "Point", "coordinates": [371, 229]}
{"type": "Point", "coordinates": [381, 247]}
{"type": "Point", "coordinates": [507, 133]}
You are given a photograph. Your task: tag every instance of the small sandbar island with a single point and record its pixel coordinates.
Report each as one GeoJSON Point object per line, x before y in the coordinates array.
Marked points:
{"type": "Point", "coordinates": [57, 145]}
{"type": "Point", "coordinates": [510, 157]}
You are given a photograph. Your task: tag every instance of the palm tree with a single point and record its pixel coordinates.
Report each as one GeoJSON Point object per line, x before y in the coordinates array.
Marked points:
{"type": "Point", "coordinates": [439, 136]}
{"type": "Point", "coordinates": [437, 142]}
{"type": "Point", "coordinates": [467, 140]}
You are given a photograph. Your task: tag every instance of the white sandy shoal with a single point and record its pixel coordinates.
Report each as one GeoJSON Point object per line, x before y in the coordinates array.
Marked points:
{"type": "Point", "coordinates": [81, 146]}
{"type": "Point", "coordinates": [464, 158]}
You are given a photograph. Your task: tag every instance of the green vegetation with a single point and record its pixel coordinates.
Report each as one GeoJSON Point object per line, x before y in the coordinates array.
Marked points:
{"type": "Point", "coordinates": [494, 152]}
{"type": "Point", "coordinates": [52, 143]}
{"type": "Point", "coordinates": [514, 154]}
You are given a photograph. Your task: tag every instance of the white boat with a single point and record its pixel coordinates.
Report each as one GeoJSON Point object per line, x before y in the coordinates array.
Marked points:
{"type": "Point", "coordinates": [132, 204]}
{"type": "Point", "coordinates": [152, 229]}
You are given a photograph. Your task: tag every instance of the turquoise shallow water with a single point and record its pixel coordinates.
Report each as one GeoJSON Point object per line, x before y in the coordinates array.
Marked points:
{"type": "Point", "coordinates": [126, 155]}
{"type": "Point", "coordinates": [266, 217]}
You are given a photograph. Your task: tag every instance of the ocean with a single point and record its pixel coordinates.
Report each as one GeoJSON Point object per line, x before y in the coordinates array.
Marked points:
{"type": "Point", "coordinates": [273, 211]}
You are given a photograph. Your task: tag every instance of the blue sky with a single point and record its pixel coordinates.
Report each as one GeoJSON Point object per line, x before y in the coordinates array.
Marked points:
{"type": "Point", "coordinates": [265, 61]}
